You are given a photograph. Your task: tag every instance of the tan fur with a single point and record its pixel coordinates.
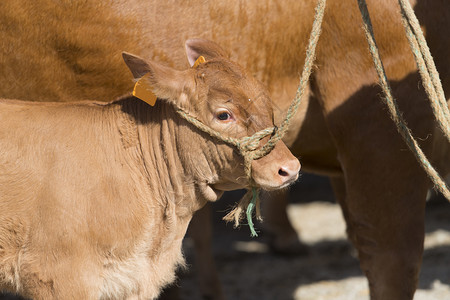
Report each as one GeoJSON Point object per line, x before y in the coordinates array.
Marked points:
{"type": "Point", "coordinates": [342, 129]}
{"type": "Point", "coordinates": [95, 198]}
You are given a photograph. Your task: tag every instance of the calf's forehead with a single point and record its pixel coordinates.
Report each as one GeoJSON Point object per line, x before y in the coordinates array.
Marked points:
{"type": "Point", "coordinates": [228, 80]}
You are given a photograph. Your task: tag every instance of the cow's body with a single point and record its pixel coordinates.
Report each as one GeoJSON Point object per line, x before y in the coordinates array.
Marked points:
{"type": "Point", "coordinates": [342, 129]}
{"type": "Point", "coordinates": [95, 198]}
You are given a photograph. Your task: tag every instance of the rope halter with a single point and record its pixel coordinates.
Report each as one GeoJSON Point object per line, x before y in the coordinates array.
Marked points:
{"type": "Point", "coordinates": [248, 146]}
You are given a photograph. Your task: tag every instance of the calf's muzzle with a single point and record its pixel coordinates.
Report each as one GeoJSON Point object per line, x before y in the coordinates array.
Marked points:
{"type": "Point", "coordinates": [277, 169]}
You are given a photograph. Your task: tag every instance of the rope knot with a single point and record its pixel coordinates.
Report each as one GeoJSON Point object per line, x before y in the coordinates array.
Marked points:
{"type": "Point", "coordinates": [248, 144]}
{"type": "Point", "coordinates": [251, 143]}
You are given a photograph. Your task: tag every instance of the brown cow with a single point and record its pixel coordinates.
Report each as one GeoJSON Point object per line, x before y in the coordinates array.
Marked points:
{"type": "Point", "coordinates": [95, 198]}
{"type": "Point", "coordinates": [342, 130]}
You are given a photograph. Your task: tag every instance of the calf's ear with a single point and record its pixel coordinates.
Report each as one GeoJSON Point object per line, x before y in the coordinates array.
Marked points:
{"type": "Point", "coordinates": [201, 47]}
{"type": "Point", "coordinates": [153, 78]}
{"type": "Point", "coordinates": [138, 66]}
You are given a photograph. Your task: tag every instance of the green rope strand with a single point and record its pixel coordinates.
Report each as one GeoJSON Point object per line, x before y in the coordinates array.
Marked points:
{"type": "Point", "coordinates": [250, 209]}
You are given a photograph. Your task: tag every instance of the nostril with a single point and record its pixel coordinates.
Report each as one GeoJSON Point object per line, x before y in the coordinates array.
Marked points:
{"type": "Point", "coordinates": [282, 172]}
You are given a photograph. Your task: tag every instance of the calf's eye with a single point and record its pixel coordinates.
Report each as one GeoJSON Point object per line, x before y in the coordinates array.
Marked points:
{"type": "Point", "coordinates": [223, 116]}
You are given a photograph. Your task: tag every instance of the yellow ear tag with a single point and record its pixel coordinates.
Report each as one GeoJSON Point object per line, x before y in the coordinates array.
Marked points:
{"type": "Point", "coordinates": [200, 60]}
{"type": "Point", "coordinates": [143, 90]}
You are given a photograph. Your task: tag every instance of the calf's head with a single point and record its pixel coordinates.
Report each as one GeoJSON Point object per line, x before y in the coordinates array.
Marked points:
{"type": "Point", "coordinates": [223, 96]}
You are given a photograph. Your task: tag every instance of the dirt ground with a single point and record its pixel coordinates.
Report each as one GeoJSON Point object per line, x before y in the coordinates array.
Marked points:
{"type": "Point", "coordinates": [248, 270]}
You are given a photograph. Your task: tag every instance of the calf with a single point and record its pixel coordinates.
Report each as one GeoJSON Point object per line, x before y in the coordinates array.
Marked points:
{"type": "Point", "coordinates": [342, 129]}
{"type": "Point", "coordinates": [95, 198]}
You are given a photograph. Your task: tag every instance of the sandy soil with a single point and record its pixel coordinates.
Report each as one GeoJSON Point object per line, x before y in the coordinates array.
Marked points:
{"type": "Point", "coordinates": [248, 270]}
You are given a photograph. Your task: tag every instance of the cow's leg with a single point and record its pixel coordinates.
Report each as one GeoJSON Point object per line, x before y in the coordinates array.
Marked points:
{"type": "Point", "coordinates": [384, 206]}
{"type": "Point", "coordinates": [389, 243]}
{"type": "Point", "coordinates": [385, 188]}
{"type": "Point", "coordinates": [283, 237]}
{"type": "Point", "coordinates": [338, 186]}
{"type": "Point", "coordinates": [384, 202]}
{"type": "Point", "coordinates": [387, 228]}
{"type": "Point", "coordinates": [200, 230]}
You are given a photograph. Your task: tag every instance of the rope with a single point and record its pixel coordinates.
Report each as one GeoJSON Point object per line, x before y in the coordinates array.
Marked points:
{"type": "Point", "coordinates": [392, 105]}
{"type": "Point", "coordinates": [426, 66]}
{"type": "Point", "coordinates": [248, 146]}
{"type": "Point", "coordinates": [307, 68]}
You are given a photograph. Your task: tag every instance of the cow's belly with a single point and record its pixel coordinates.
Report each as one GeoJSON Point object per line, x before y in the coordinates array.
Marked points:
{"type": "Point", "coordinates": [124, 278]}
{"type": "Point", "coordinates": [143, 274]}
